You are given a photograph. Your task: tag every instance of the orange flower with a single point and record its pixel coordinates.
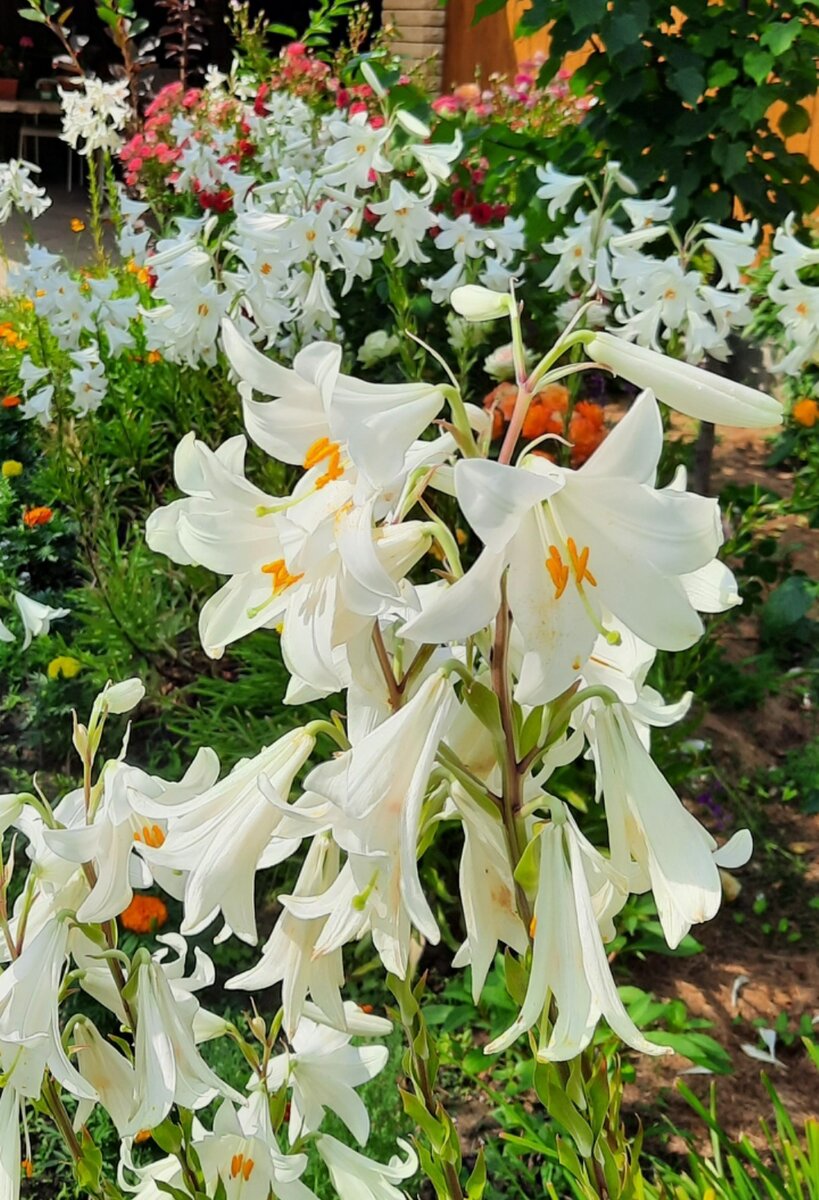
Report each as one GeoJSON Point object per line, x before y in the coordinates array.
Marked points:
{"type": "Point", "coordinates": [587, 429]}
{"type": "Point", "coordinates": [145, 914]}
{"type": "Point", "coordinates": [806, 412]}
{"type": "Point", "coordinates": [153, 357]}
{"type": "Point", "coordinates": [41, 515]}
{"type": "Point", "coordinates": [77, 226]}
{"type": "Point", "coordinates": [547, 412]}
{"type": "Point", "coordinates": [9, 402]}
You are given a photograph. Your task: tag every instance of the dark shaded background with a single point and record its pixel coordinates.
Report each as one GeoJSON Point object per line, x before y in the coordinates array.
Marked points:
{"type": "Point", "coordinates": [100, 50]}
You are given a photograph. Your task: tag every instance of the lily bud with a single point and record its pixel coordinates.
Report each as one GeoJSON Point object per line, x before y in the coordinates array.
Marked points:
{"type": "Point", "coordinates": [480, 304]}
{"type": "Point", "coordinates": [688, 389]}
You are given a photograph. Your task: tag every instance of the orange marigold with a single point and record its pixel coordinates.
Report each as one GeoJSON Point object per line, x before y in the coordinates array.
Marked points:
{"type": "Point", "coordinates": [145, 914]}
{"type": "Point", "coordinates": [587, 429]}
{"type": "Point", "coordinates": [806, 412]}
{"type": "Point", "coordinates": [9, 401]}
{"type": "Point", "coordinates": [41, 515]}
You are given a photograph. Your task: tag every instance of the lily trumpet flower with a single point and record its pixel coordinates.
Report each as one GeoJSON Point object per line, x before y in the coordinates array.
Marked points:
{"type": "Point", "coordinates": [169, 1068]}
{"type": "Point", "coordinates": [242, 1154]}
{"type": "Point", "coordinates": [487, 891]}
{"type": "Point", "coordinates": [288, 958]}
{"type": "Point", "coordinates": [314, 402]}
{"type": "Point", "coordinates": [239, 825]}
{"type": "Point", "coordinates": [323, 1070]}
{"type": "Point", "coordinates": [568, 958]}
{"type": "Point", "coordinates": [120, 828]}
{"type": "Point", "coordinates": [655, 840]}
{"type": "Point", "coordinates": [578, 544]}
{"type": "Point", "coordinates": [377, 791]}
{"type": "Point", "coordinates": [9, 1143]}
{"type": "Point", "coordinates": [356, 1177]}
{"type": "Point", "coordinates": [29, 1020]}
{"type": "Point", "coordinates": [688, 389]}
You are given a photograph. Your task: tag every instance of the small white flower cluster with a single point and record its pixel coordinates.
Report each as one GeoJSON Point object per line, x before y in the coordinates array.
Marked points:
{"type": "Point", "coordinates": [665, 303]}
{"type": "Point", "coordinates": [19, 192]}
{"type": "Point", "coordinates": [87, 319]}
{"type": "Point", "coordinates": [322, 201]}
{"type": "Point", "coordinates": [95, 114]}
{"type": "Point", "coordinates": [797, 301]}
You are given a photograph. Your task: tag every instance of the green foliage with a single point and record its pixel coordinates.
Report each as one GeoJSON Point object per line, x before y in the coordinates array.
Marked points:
{"type": "Point", "coordinates": [698, 90]}
{"type": "Point", "coordinates": [786, 1168]}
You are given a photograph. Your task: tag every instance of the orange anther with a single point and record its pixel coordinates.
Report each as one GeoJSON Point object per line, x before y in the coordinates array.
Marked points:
{"type": "Point", "coordinates": [236, 1165]}
{"type": "Point", "coordinates": [558, 571]}
{"type": "Point", "coordinates": [247, 1169]}
{"type": "Point", "coordinates": [281, 576]}
{"type": "Point", "coordinates": [579, 561]}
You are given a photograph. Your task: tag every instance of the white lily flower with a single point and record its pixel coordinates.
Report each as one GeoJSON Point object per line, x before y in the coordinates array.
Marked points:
{"type": "Point", "coordinates": [108, 1072]}
{"type": "Point", "coordinates": [437, 158]}
{"type": "Point", "coordinates": [356, 1177]}
{"type": "Point", "coordinates": [317, 409]}
{"type": "Point", "coordinates": [577, 543]}
{"type": "Point", "coordinates": [487, 890]}
{"type": "Point", "coordinates": [243, 1155]}
{"type": "Point", "coordinates": [655, 841]}
{"type": "Point", "coordinates": [644, 213]}
{"type": "Point", "coordinates": [37, 617]}
{"type": "Point", "coordinates": [169, 1068]}
{"type": "Point", "coordinates": [9, 1143]}
{"type": "Point", "coordinates": [124, 825]}
{"type": "Point", "coordinates": [377, 789]}
{"type": "Point", "coordinates": [688, 389]}
{"type": "Point", "coordinates": [557, 188]}
{"type": "Point", "coordinates": [29, 1020]}
{"type": "Point", "coordinates": [237, 826]}
{"type": "Point", "coordinates": [568, 959]}
{"type": "Point", "coordinates": [733, 249]}
{"type": "Point", "coordinates": [288, 957]}
{"type": "Point", "coordinates": [323, 1070]}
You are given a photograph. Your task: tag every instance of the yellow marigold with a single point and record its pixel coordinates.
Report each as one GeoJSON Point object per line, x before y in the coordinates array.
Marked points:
{"type": "Point", "coordinates": [806, 412]}
{"type": "Point", "coordinates": [11, 467]}
{"type": "Point", "coordinates": [63, 665]}
{"type": "Point", "coordinates": [145, 914]}
{"type": "Point", "coordinates": [77, 226]}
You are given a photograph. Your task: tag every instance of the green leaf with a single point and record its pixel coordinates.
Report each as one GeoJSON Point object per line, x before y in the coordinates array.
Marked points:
{"type": "Point", "coordinates": [476, 1183]}
{"type": "Point", "coordinates": [688, 82]}
{"type": "Point", "coordinates": [795, 119]}
{"type": "Point", "coordinates": [435, 1130]}
{"type": "Point", "coordinates": [780, 36]}
{"type": "Point", "coordinates": [787, 605]}
{"type": "Point", "coordinates": [89, 1167]}
{"type": "Point", "coordinates": [32, 14]}
{"type": "Point", "coordinates": [485, 8]}
{"type": "Point", "coordinates": [560, 1108]}
{"type": "Point", "coordinates": [758, 64]}
{"type": "Point", "coordinates": [722, 73]}
{"type": "Point", "coordinates": [698, 1047]}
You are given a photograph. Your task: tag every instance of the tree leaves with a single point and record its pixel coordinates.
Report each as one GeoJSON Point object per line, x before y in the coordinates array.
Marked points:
{"type": "Point", "coordinates": [690, 102]}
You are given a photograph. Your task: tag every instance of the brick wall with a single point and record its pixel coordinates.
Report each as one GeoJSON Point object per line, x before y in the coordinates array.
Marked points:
{"type": "Point", "coordinates": [421, 26]}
